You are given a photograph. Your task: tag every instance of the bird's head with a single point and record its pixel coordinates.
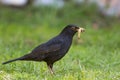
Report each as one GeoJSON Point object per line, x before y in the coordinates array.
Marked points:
{"type": "Point", "coordinates": [72, 29]}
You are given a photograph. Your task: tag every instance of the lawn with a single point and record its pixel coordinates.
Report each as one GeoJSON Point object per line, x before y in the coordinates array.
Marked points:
{"type": "Point", "coordinates": [96, 57]}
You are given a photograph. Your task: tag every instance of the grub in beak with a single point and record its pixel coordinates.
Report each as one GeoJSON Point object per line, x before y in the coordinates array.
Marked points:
{"type": "Point", "coordinates": [79, 32]}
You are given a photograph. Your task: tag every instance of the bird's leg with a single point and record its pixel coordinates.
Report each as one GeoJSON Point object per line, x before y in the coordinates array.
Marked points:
{"type": "Point", "coordinates": [50, 66]}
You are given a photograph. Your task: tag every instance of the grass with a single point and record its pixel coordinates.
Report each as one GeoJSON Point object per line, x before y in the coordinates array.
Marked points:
{"type": "Point", "coordinates": [96, 57]}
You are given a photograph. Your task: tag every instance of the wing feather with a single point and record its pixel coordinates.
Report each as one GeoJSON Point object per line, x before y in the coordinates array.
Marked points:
{"type": "Point", "coordinates": [47, 48]}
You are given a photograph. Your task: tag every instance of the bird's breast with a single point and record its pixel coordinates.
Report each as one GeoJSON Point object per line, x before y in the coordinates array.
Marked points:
{"type": "Point", "coordinates": [66, 45]}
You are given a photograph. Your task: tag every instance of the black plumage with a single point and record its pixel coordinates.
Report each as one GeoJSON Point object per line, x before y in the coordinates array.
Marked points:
{"type": "Point", "coordinates": [53, 50]}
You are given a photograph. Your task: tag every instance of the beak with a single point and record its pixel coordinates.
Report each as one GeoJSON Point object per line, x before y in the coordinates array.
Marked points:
{"type": "Point", "coordinates": [79, 31]}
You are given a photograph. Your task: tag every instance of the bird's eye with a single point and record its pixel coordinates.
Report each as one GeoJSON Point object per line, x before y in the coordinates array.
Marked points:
{"type": "Point", "coordinates": [73, 28]}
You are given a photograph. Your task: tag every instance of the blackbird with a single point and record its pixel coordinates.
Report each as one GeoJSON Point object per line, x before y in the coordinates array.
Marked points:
{"type": "Point", "coordinates": [53, 50]}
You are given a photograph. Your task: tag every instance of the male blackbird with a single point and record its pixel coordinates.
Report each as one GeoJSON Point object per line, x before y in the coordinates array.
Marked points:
{"type": "Point", "coordinates": [54, 49]}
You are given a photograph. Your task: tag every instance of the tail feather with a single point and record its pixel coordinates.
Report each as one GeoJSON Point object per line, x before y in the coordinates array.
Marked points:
{"type": "Point", "coordinates": [10, 61]}
{"type": "Point", "coordinates": [25, 57]}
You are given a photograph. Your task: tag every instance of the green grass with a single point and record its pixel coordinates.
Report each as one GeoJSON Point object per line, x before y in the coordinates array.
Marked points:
{"type": "Point", "coordinates": [96, 57]}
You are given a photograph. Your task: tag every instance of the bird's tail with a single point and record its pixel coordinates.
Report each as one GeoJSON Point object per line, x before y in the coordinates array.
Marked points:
{"type": "Point", "coordinates": [25, 57]}
{"type": "Point", "coordinates": [10, 61]}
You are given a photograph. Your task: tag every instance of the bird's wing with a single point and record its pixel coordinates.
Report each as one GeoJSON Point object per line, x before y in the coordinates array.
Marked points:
{"type": "Point", "coordinates": [47, 48]}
